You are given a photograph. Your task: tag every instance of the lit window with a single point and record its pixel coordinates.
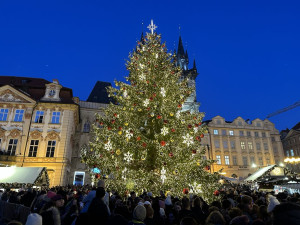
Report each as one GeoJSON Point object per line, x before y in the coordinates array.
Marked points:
{"type": "Point", "coordinates": [55, 117]}
{"type": "Point", "coordinates": [245, 160]}
{"type": "Point", "coordinates": [292, 152]}
{"type": "Point", "coordinates": [243, 146]}
{"type": "Point", "coordinates": [227, 160]}
{"type": "Point", "coordinates": [241, 133]}
{"type": "Point", "coordinates": [217, 144]}
{"type": "Point", "coordinates": [257, 146]}
{"type": "Point", "coordinates": [33, 148]}
{"type": "Point", "coordinates": [216, 132]}
{"type": "Point", "coordinates": [225, 144]}
{"type": "Point", "coordinates": [218, 158]}
{"type": "Point", "coordinates": [3, 114]}
{"type": "Point", "coordinates": [287, 153]}
{"type": "Point", "coordinates": [19, 115]}
{"type": "Point", "coordinates": [12, 146]}
{"type": "Point", "coordinates": [266, 147]}
{"type": "Point", "coordinates": [250, 146]}
{"type": "Point", "coordinates": [39, 116]}
{"type": "Point", "coordinates": [51, 148]}
{"type": "Point", "coordinates": [231, 132]}
{"type": "Point", "coordinates": [234, 160]}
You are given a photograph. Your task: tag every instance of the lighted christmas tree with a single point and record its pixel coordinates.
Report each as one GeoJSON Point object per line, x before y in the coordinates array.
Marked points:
{"type": "Point", "coordinates": [145, 140]}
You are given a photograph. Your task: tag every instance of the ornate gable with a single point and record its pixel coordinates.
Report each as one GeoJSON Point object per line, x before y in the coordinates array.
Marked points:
{"type": "Point", "coordinates": [9, 94]}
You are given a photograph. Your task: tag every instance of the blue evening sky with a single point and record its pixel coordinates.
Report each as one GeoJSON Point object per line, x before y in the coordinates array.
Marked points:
{"type": "Point", "coordinates": [247, 52]}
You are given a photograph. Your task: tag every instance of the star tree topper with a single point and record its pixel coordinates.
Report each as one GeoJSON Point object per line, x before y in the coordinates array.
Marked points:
{"type": "Point", "coordinates": [152, 27]}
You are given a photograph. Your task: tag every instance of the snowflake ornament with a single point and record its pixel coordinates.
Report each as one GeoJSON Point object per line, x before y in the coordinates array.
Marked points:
{"type": "Point", "coordinates": [141, 65]}
{"type": "Point", "coordinates": [128, 134]}
{"type": "Point", "coordinates": [195, 129]}
{"type": "Point", "coordinates": [125, 94]}
{"type": "Point", "coordinates": [188, 140]}
{"type": "Point", "coordinates": [164, 131]}
{"type": "Point", "coordinates": [128, 157]}
{"type": "Point", "coordinates": [108, 145]}
{"type": "Point", "coordinates": [142, 76]}
{"type": "Point", "coordinates": [163, 92]}
{"type": "Point", "coordinates": [163, 175]}
{"type": "Point", "coordinates": [178, 115]}
{"type": "Point", "coordinates": [146, 102]}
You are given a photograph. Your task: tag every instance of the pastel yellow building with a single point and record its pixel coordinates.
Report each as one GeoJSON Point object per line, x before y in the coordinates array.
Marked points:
{"type": "Point", "coordinates": [38, 121]}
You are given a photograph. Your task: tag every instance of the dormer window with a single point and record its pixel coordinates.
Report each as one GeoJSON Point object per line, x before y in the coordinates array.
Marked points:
{"type": "Point", "coordinates": [52, 93]}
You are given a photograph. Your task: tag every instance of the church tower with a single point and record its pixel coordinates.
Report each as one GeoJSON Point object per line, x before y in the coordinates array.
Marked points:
{"type": "Point", "coordinates": [182, 60]}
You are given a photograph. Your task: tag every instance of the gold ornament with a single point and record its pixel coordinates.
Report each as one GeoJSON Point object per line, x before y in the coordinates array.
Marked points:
{"type": "Point", "coordinates": [120, 132]}
{"type": "Point", "coordinates": [172, 140]}
{"type": "Point", "coordinates": [171, 114]}
{"type": "Point", "coordinates": [124, 108]}
{"type": "Point", "coordinates": [118, 152]}
{"type": "Point", "coordinates": [126, 124]}
{"type": "Point", "coordinates": [139, 110]}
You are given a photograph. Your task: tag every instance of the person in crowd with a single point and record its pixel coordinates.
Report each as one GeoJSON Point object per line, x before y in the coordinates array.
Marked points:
{"type": "Point", "coordinates": [186, 210]}
{"type": "Point", "coordinates": [138, 216]}
{"type": "Point", "coordinates": [51, 211]}
{"type": "Point", "coordinates": [188, 221]}
{"type": "Point", "coordinates": [215, 218]}
{"type": "Point", "coordinates": [197, 210]}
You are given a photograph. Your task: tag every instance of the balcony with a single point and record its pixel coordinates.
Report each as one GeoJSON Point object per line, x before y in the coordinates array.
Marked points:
{"type": "Point", "coordinates": [8, 158]}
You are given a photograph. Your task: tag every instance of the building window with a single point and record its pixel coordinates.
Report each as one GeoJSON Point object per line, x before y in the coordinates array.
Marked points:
{"type": "Point", "coordinates": [250, 146]}
{"type": "Point", "coordinates": [241, 133]}
{"type": "Point", "coordinates": [227, 160]}
{"type": "Point", "coordinates": [266, 147]}
{"type": "Point", "coordinates": [225, 144]}
{"type": "Point", "coordinates": [234, 160]}
{"type": "Point", "coordinates": [218, 158]}
{"type": "Point", "coordinates": [224, 132]}
{"type": "Point", "coordinates": [260, 160]}
{"type": "Point", "coordinates": [231, 132]}
{"type": "Point", "coordinates": [86, 127]}
{"type": "Point", "coordinates": [287, 153]}
{"type": "Point", "coordinates": [19, 115]}
{"type": "Point", "coordinates": [55, 117]}
{"type": "Point", "coordinates": [217, 144]}
{"type": "Point", "coordinates": [292, 152]}
{"type": "Point", "coordinates": [79, 178]}
{"type": "Point", "coordinates": [51, 148]}
{"type": "Point", "coordinates": [258, 124]}
{"type": "Point", "coordinates": [268, 161]}
{"type": "Point", "coordinates": [232, 144]}
{"type": "Point", "coordinates": [39, 116]}
{"type": "Point", "coordinates": [252, 160]}
{"type": "Point", "coordinates": [218, 121]}
{"type": "Point", "coordinates": [257, 146]}
{"type": "Point", "coordinates": [216, 132]}
{"type": "Point", "coordinates": [243, 146]}
{"type": "Point", "coordinates": [248, 133]}
{"type": "Point", "coordinates": [12, 146]}
{"type": "Point", "coordinates": [256, 134]}
{"type": "Point", "coordinates": [3, 114]}
{"type": "Point", "coordinates": [273, 139]}
{"type": "Point", "coordinates": [245, 160]}
{"type": "Point", "coordinates": [263, 134]}
{"type": "Point", "coordinates": [33, 148]}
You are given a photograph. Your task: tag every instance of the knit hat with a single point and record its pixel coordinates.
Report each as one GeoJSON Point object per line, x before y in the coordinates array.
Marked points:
{"type": "Point", "coordinates": [51, 194]}
{"type": "Point", "coordinates": [34, 219]}
{"type": "Point", "coordinates": [168, 200]}
{"type": "Point", "coordinates": [56, 198]}
{"type": "Point", "coordinates": [139, 213]}
{"type": "Point", "coordinates": [272, 203]}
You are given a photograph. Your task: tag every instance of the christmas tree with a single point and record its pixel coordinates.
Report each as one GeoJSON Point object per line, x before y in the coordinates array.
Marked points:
{"type": "Point", "coordinates": [145, 141]}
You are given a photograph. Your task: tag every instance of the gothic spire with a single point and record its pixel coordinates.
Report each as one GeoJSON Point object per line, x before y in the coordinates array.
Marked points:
{"type": "Point", "coordinates": [142, 38]}
{"type": "Point", "coordinates": [180, 50]}
{"type": "Point", "coordinates": [194, 66]}
{"type": "Point", "coordinates": [186, 55]}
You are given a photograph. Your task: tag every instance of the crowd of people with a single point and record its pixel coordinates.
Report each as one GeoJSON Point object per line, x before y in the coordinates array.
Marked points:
{"type": "Point", "coordinates": [86, 205]}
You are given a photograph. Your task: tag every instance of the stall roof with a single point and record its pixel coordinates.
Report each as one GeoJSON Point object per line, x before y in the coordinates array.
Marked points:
{"type": "Point", "coordinates": [23, 175]}
{"type": "Point", "coordinates": [258, 173]}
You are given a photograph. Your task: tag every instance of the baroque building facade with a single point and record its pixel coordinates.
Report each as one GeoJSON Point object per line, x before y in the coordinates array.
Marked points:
{"type": "Point", "coordinates": [38, 119]}
{"type": "Point", "coordinates": [241, 147]}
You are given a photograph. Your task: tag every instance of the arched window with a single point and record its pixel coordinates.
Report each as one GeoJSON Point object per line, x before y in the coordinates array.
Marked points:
{"type": "Point", "coordinates": [86, 127]}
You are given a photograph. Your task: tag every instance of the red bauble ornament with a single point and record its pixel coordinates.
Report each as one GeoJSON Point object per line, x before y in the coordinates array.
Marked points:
{"type": "Point", "coordinates": [97, 175]}
{"type": "Point", "coordinates": [171, 154]}
{"type": "Point", "coordinates": [179, 106]}
{"type": "Point", "coordinates": [173, 130]}
{"type": "Point", "coordinates": [207, 167]}
{"type": "Point", "coordinates": [200, 124]}
{"type": "Point", "coordinates": [151, 99]}
{"type": "Point", "coordinates": [101, 124]}
{"type": "Point", "coordinates": [185, 191]}
{"type": "Point", "coordinates": [189, 126]}
{"type": "Point", "coordinates": [95, 166]}
{"type": "Point", "coordinates": [120, 128]}
{"type": "Point", "coordinates": [198, 138]}
{"type": "Point", "coordinates": [138, 138]}
{"type": "Point", "coordinates": [216, 193]}
{"type": "Point", "coordinates": [159, 117]}
{"type": "Point", "coordinates": [109, 128]}
{"type": "Point", "coordinates": [148, 81]}
{"type": "Point", "coordinates": [165, 121]}
{"type": "Point", "coordinates": [115, 115]}
{"type": "Point", "coordinates": [162, 143]}
{"type": "Point", "coordinates": [113, 121]}
{"type": "Point", "coordinates": [202, 135]}
{"type": "Point", "coordinates": [144, 145]}
{"type": "Point", "coordinates": [154, 95]}
{"type": "Point", "coordinates": [194, 151]}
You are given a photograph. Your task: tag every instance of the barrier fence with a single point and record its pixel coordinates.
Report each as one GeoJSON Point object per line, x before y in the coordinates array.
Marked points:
{"type": "Point", "coordinates": [11, 211]}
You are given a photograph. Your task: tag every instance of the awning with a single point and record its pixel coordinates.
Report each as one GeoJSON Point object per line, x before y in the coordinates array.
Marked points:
{"type": "Point", "coordinates": [258, 173]}
{"type": "Point", "coordinates": [23, 176]}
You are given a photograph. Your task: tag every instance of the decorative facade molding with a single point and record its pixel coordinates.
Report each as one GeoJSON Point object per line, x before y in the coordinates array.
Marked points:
{"type": "Point", "coordinates": [9, 96]}
{"type": "Point", "coordinates": [36, 135]}
{"type": "Point", "coordinates": [52, 135]}
{"type": "Point", "coordinates": [15, 133]}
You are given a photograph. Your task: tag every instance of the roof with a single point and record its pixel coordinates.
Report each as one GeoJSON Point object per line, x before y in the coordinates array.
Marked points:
{"type": "Point", "coordinates": [296, 127]}
{"type": "Point", "coordinates": [23, 175]}
{"type": "Point", "coordinates": [99, 93]}
{"type": "Point", "coordinates": [35, 87]}
{"type": "Point", "coordinates": [258, 173]}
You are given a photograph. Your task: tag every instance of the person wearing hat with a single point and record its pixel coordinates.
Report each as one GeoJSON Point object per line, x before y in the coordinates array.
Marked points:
{"type": "Point", "coordinates": [34, 219]}
{"type": "Point", "coordinates": [139, 215]}
{"type": "Point", "coordinates": [50, 213]}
